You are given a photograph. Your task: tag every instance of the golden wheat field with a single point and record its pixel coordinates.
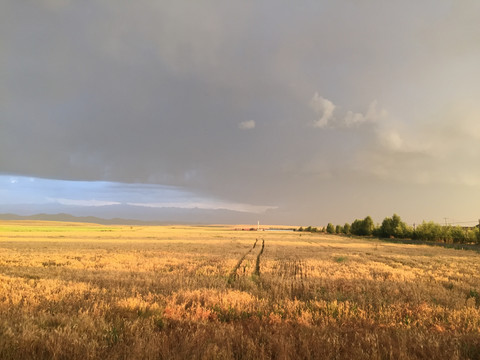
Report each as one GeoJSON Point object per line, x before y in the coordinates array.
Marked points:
{"type": "Point", "coordinates": [84, 291]}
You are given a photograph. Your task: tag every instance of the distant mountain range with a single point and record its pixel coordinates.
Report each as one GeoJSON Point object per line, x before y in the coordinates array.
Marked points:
{"type": "Point", "coordinates": [81, 219]}
{"type": "Point", "coordinates": [128, 215]}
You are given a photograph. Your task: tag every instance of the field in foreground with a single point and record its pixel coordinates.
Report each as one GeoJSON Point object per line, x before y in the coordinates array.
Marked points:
{"type": "Point", "coordinates": [82, 291]}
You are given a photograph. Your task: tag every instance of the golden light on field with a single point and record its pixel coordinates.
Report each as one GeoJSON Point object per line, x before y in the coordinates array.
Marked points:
{"type": "Point", "coordinates": [91, 291]}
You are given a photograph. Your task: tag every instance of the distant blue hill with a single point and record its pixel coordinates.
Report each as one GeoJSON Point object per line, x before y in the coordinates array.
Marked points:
{"type": "Point", "coordinates": [80, 219]}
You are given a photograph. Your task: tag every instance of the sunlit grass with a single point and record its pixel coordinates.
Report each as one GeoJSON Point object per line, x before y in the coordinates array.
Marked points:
{"type": "Point", "coordinates": [77, 291]}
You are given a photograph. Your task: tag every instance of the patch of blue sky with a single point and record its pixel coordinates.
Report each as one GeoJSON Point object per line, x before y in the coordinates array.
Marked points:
{"type": "Point", "coordinates": [28, 190]}
{"type": "Point", "coordinates": [19, 190]}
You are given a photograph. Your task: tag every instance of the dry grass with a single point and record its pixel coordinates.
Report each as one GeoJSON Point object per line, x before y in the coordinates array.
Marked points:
{"type": "Point", "coordinates": [82, 291]}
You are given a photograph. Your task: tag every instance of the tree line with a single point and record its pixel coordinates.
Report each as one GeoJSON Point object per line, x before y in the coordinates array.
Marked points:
{"type": "Point", "coordinates": [394, 227]}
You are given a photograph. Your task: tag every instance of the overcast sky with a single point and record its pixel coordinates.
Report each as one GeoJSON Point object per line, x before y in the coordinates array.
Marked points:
{"type": "Point", "coordinates": [307, 112]}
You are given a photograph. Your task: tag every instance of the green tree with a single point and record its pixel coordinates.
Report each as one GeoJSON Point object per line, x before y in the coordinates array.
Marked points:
{"type": "Point", "coordinates": [394, 227]}
{"type": "Point", "coordinates": [346, 228]}
{"type": "Point", "coordinates": [368, 226]}
{"type": "Point", "coordinates": [355, 229]}
{"type": "Point", "coordinates": [429, 231]}
{"type": "Point", "coordinates": [459, 234]}
{"type": "Point", "coordinates": [476, 235]}
{"type": "Point", "coordinates": [363, 227]}
{"type": "Point", "coordinates": [330, 228]}
{"type": "Point", "coordinates": [339, 229]}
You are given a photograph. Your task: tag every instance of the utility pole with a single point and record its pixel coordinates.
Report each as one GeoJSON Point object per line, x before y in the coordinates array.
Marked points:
{"type": "Point", "coordinates": [445, 221]}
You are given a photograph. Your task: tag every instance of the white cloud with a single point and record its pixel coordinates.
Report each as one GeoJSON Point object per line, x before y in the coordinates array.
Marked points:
{"type": "Point", "coordinates": [372, 115]}
{"type": "Point", "coordinates": [247, 125]}
{"type": "Point", "coordinates": [391, 140]}
{"type": "Point", "coordinates": [324, 108]}
{"type": "Point", "coordinates": [352, 119]}
{"type": "Point", "coordinates": [207, 205]}
{"type": "Point", "coordinates": [91, 202]}
{"type": "Point", "coordinates": [438, 150]}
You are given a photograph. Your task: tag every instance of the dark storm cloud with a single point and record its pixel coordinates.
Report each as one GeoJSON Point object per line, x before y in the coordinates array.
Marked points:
{"type": "Point", "coordinates": [265, 102]}
{"type": "Point", "coordinates": [108, 90]}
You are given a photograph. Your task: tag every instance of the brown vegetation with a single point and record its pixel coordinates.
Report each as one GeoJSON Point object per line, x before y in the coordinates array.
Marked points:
{"type": "Point", "coordinates": [70, 291]}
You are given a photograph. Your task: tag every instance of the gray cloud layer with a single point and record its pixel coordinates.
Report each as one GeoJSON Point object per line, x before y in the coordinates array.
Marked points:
{"type": "Point", "coordinates": [348, 106]}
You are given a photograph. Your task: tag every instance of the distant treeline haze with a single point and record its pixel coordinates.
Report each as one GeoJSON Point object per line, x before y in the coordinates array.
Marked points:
{"type": "Point", "coordinates": [394, 227]}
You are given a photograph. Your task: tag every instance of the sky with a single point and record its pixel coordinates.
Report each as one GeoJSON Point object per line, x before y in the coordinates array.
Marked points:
{"type": "Point", "coordinates": [303, 112]}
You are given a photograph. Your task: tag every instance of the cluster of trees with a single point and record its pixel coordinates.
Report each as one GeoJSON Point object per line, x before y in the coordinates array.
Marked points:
{"type": "Point", "coordinates": [363, 227]}
{"type": "Point", "coordinates": [447, 234]}
{"type": "Point", "coordinates": [394, 227]}
{"type": "Point", "coordinates": [309, 229]}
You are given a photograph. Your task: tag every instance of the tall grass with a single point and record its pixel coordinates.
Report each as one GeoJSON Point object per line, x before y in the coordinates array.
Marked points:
{"type": "Point", "coordinates": [168, 293]}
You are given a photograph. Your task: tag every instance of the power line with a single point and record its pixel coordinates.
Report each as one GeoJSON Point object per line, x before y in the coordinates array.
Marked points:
{"type": "Point", "coordinates": [473, 222]}
{"type": "Point", "coordinates": [464, 222]}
